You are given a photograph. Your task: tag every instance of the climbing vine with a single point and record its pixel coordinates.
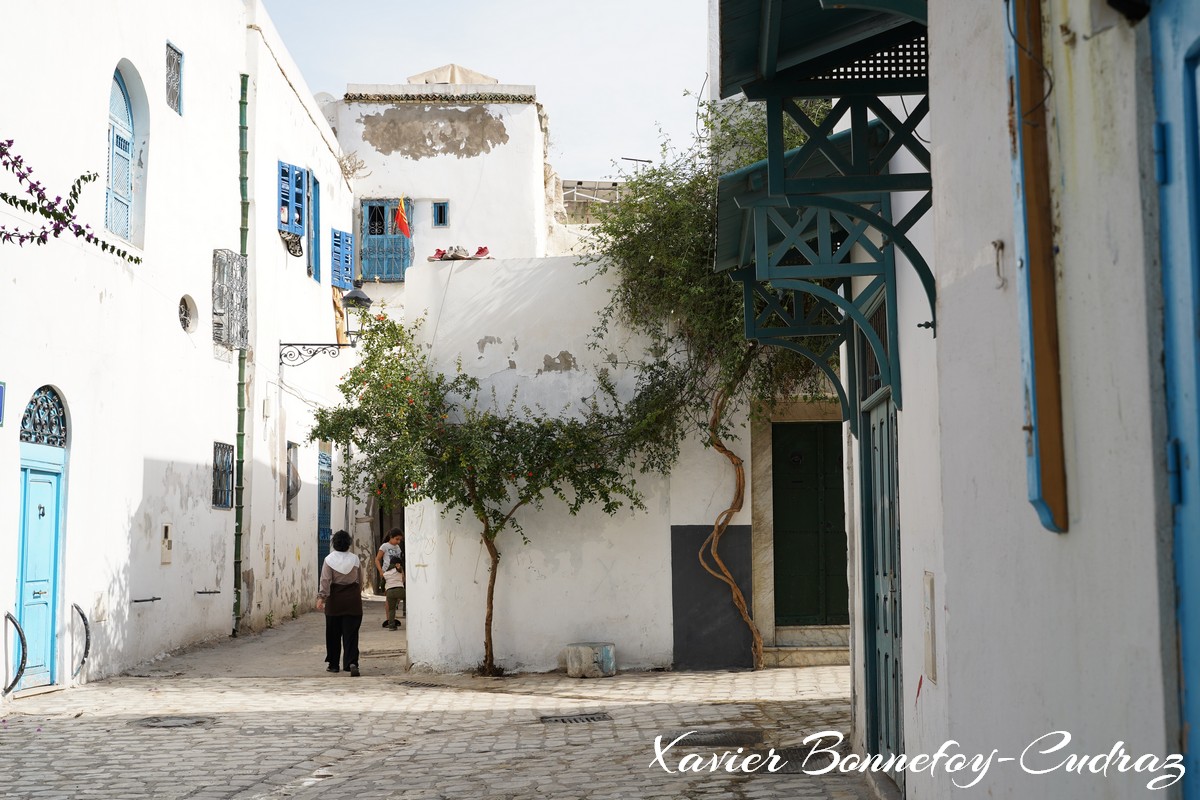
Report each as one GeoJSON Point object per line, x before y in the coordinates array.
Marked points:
{"type": "Point", "coordinates": [660, 240]}
{"type": "Point", "coordinates": [59, 214]}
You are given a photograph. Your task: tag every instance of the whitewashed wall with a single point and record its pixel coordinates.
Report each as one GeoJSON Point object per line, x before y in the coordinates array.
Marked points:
{"type": "Point", "coordinates": [492, 175]}
{"type": "Point", "coordinates": [590, 577]}
{"type": "Point", "coordinates": [1049, 631]}
{"type": "Point", "coordinates": [145, 399]}
{"type": "Point", "coordinates": [279, 556]}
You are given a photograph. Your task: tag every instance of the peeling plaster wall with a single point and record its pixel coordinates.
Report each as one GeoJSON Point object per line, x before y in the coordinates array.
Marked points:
{"type": "Point", "coordinates": [421, 131]}
{"type": "Point", "coordinates": [146, 399]}
{"type": "Point", "coordinates": [584, 578]}
{"type": "Point", "coordinates": [486, 160]}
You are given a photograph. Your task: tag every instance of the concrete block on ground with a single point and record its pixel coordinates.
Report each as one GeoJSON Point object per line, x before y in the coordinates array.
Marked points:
{"type": "Point", "coordinates": [591, 659]}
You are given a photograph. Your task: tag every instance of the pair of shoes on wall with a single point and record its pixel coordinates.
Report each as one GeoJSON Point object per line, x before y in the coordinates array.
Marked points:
{"type": "Point", "coordinates": [457, 253]}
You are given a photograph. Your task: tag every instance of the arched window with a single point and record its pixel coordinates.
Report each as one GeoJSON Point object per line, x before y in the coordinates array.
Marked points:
{"type": "Point", "coordinates": [45, 419]}
{"type": "Point", "coordinates": [119, 207]}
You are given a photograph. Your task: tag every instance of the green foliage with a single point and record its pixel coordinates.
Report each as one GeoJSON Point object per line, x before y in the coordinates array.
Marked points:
{"type": "Point", "coordinates": [418, 434]}
{"type": "Point", "coordinates": [660, 238]}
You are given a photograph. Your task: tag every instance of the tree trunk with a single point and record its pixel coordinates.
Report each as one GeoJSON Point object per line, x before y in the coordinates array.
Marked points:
{"type": "Point", "coordinates": [712, 543]}
{"type": "Point", "coordinates": [489, 661]}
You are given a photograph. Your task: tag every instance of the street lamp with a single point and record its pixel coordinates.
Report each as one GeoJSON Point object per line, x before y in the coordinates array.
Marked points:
{"type": "Point", "coordinates": [295, 353]}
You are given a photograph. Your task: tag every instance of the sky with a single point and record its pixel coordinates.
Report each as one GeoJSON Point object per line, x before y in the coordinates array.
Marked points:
{"type": "Point", "coordinates": [610, 74]}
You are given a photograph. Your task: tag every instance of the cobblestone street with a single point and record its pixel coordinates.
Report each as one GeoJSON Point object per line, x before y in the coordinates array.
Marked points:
{"type": "Point", "coordinates": [258, 717]}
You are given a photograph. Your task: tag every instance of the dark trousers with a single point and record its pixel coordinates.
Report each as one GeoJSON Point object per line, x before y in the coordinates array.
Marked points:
{"type": "Point", "coordinates": [341, 635]}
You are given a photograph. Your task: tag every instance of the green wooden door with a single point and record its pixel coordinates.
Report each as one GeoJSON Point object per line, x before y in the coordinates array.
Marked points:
{"type": "Point", "coordinates": [810, 524]}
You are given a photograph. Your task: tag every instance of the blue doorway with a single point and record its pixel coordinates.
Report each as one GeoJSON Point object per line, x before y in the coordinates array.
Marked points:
{"type": "Point", "coordinates": [43, 463]}
{"type": "Point", "coordinates": [1175, 32]}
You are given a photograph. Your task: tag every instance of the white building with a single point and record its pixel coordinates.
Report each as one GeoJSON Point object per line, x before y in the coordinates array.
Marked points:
{"type": "Point", "coordinates": [167, 379]}
{"type": "Point", "coordinates": [466, 154]}
{"type": "Point", "coordinates": [123, 413]}
{"type": "Point", "coordinates": [1023, 485]}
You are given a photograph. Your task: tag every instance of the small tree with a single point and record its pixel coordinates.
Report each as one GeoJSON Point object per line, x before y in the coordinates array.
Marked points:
{"type": "Point", "coordinates": [417, 434]}
{"type": "Point", "coordinates": [660, 238]}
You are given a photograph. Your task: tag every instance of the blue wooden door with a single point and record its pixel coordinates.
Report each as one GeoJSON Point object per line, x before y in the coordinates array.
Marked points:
{"type": "Point", "coordinates": [38, 570]}
{"type": "Point", "coordinates": [1175, 31]}
{"type": "Point", "coordinates": [881, 546]}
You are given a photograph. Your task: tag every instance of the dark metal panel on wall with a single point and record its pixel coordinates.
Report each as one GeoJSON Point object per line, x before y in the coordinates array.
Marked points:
{"type": "Point", "coordinates": [709, 631]}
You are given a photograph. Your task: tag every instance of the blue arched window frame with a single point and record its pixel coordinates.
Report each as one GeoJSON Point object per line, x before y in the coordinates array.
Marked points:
{"type": "Point", "coordinates": [118, 211]}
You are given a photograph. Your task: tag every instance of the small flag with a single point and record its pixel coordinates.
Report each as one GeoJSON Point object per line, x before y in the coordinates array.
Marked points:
{"type": "Point", "coordinates": [402, 219]}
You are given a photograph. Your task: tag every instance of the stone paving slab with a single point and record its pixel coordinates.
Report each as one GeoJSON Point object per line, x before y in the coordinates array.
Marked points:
{"type": "Point", "coordinates": [257, 717]}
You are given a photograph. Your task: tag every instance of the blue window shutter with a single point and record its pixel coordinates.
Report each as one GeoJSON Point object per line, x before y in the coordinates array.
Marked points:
{"type": "Point", "coordinates": [299, 194]}
{"type": "Point", "coordinates": [285, 196]}
{"type": "Point", "coordinates": [314, 239]}
{"type": "Point", "coordinates": [342, 259]}
{"type": "Point", "coordinates": [387, 254]}
{"type": "Point", "coordinates": [119, 196]}
{"type": "Point", "coordinates": [293, 186]}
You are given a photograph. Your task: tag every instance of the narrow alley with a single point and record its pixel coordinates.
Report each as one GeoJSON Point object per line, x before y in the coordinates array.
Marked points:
{"type": "Point", "coordinates": [258, 717]}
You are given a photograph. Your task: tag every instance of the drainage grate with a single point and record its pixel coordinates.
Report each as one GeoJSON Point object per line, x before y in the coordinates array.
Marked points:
{"type": "Point", "coordinates": [173, 722]}
{"type": "Point", "coordinates": [421, 685]}
{"type": "Point", "coordinates": [727, 736]}
{"type": "Point", "coordinates": [154, 673]}
{"type": "Point", "coordinates": [599, 716]}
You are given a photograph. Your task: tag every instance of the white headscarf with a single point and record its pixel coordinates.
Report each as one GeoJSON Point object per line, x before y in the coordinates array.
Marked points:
{"type": "Point", "coordinates": [341, 562]}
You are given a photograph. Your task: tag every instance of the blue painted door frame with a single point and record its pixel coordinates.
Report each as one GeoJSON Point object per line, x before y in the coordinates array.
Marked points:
{"type": "Point", "coordinates": [37, 576]}
{"type": "Point", "coordinates": [1175, 32]}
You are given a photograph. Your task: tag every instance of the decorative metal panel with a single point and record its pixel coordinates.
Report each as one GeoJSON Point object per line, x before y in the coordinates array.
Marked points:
{"type": "Point", "coordinates": [45, 419]}
{"type": "Point", "coordinates": [174, 79]}
{"type": "Point", "coordinates": [222, 494]}
{"type": "Point", "coordinates": [231, 325]}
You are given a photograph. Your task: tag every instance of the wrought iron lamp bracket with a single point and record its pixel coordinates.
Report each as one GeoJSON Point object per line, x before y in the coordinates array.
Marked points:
{"type": "Point", "coordinates": [296, 353]}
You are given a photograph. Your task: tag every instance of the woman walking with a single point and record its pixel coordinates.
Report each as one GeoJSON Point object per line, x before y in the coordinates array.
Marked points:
{"type": "Point", "coordinates": [341, 597]}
